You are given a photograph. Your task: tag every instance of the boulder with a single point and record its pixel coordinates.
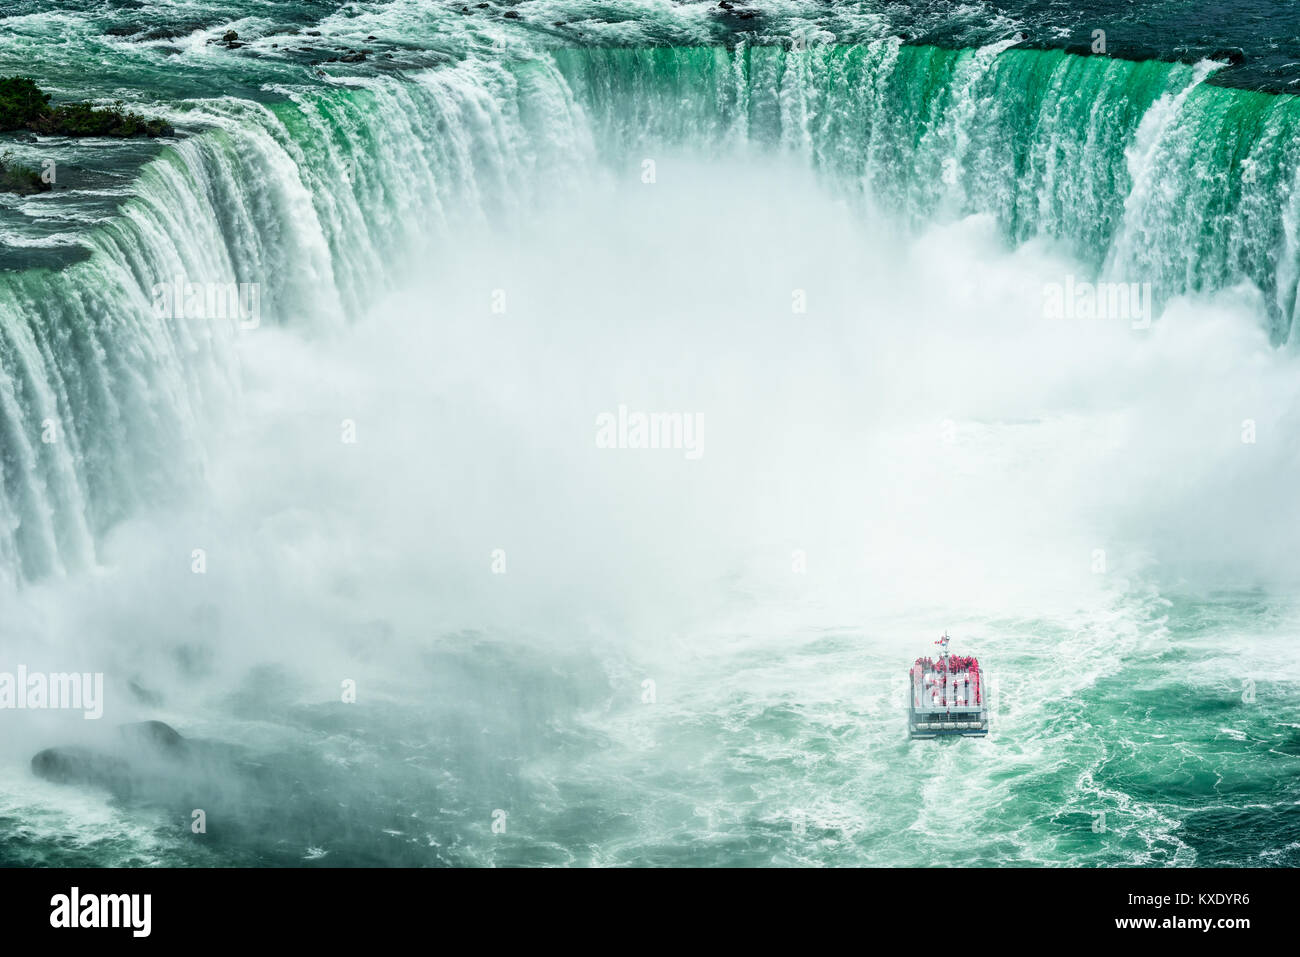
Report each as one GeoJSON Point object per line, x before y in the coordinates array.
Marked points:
{"type": "Point", "coordinates": [138, 756]}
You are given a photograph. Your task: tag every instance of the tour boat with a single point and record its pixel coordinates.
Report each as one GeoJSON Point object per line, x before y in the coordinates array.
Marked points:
{"type": "Point", "coordinates": [947, 696]}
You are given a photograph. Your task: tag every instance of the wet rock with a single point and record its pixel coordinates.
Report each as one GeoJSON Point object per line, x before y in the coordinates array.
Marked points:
{"type": "Point", "coordinates": [81, 766]}
{"type": "Point", "coordinates": [147, 762]}
{"type": "Point", "coordinates": [138, 752]}
{"type": "Point", "coordinates": [157, 735]}
{"type": "Point", "coordinates": [1234, 55]}
{"type": "Point", "coordinates": [174, 31]}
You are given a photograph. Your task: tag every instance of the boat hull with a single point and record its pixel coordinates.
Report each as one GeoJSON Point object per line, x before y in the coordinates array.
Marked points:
{"type": "Point", "coordinates": [921, 727]}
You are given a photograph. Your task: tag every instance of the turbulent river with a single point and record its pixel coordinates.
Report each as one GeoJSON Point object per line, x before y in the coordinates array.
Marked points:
{"type": "Point", "coordinates": [828, 237]}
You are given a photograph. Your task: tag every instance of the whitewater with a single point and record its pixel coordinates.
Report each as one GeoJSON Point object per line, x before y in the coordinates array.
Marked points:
{"type": "Point", "coordinates": [827, 241]}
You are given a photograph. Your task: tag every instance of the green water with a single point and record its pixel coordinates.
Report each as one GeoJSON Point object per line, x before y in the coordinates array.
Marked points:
{"type": "Point", "coordinates": [788, 754]}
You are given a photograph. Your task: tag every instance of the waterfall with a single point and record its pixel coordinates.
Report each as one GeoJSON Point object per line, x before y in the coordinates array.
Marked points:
{"type": "Point", "coordinates": [1142, 168]}
{"type": "Point", "coordinates": [328, 195]}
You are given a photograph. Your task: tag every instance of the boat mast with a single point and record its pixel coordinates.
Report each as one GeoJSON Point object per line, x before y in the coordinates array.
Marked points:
{"type": "Point", "coordinates": [943, 642]}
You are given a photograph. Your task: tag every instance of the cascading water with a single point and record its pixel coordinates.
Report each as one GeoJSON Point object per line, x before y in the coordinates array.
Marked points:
{"type": "Point", "coordinates": [646, 202]}
{"type": "Point", "coordinates": [1141, 168]}
{"type": "Point", "coordinates": [321, 202]}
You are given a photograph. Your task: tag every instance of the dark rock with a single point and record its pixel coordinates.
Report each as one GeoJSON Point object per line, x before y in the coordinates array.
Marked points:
{"type": "Point", "coordinates": [1234, 55]}
{"type": "Point", "coordinates": [173, 31]}
{"type": "Point", "coordinates": [141, 751]}
{"type": "Point", "coordinates": [150, 763]}
{"type": "Point", "coordinates": [229, 37]}
{"type": "Point", "coordinates": [510, 15]}
{"type": "Point", "coordinates": [725, 5]}
{"type": "Point", "coordinates": [81, 766]}
{"type": "Point", "coordinates": [161, 737]}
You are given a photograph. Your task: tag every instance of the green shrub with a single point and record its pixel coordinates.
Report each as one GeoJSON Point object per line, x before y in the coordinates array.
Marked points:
{"type": "Point", "coordinates": [24, 106]}
{"type": "Point", "coordinates": [82, 119]}
{"type": "Point", "coordinates": [16, 178]}
{"type": "Point", "coordinates": [21, 102]}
